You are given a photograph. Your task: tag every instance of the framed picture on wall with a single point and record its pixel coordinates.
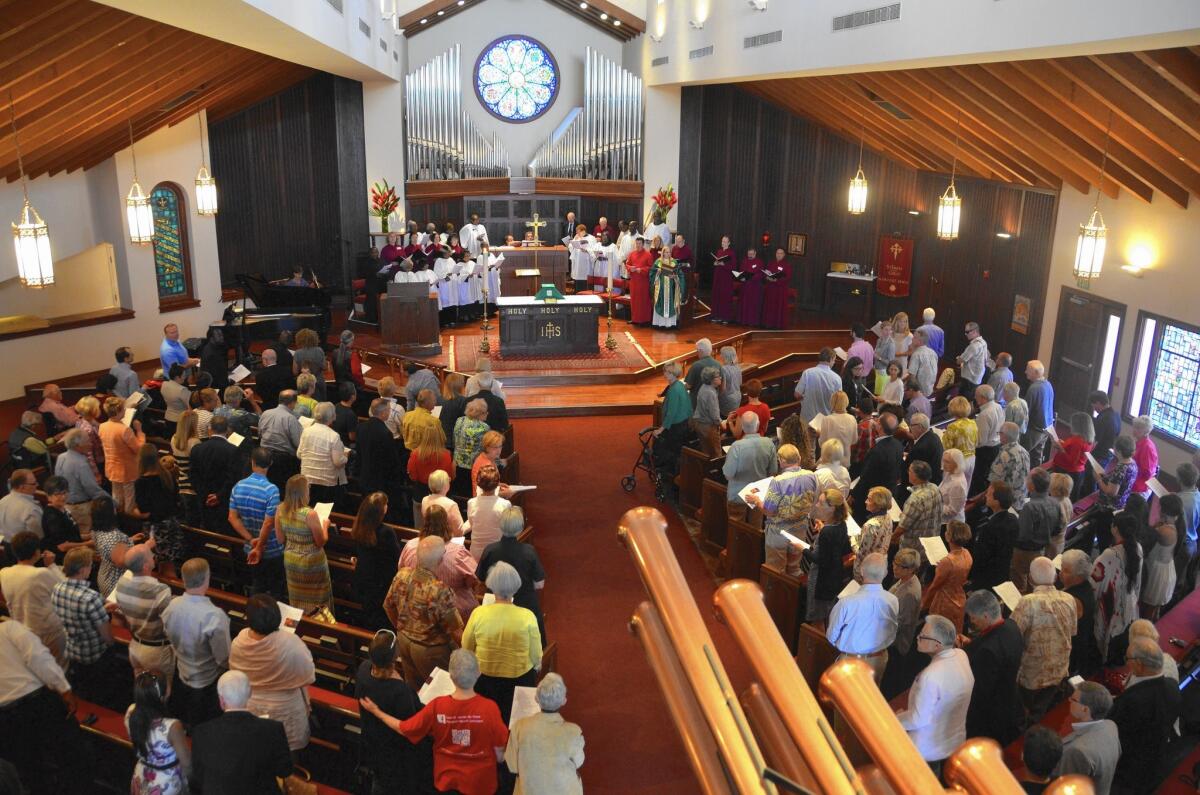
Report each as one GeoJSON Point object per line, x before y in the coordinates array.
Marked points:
{"type": "Point", "coordinates": [1022, 307]}
{"type": "Point", "coordinates": [797, 244]}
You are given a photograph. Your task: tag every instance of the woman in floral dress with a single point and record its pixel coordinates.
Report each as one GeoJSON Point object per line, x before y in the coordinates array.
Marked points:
{"type": "Point", "coordinates": [164, 757]}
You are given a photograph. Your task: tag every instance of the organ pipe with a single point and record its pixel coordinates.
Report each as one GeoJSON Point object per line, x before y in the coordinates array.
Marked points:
{"type": "Point", "coordinates": [441, 140]}
{"type": "Point", "coordinates": [604, 140]}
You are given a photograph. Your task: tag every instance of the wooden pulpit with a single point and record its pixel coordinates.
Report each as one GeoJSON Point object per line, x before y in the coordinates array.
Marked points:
{"type": "Point", "coordinates": [408, 320]}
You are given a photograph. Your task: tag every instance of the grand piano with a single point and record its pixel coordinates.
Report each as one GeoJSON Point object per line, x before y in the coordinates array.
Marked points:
{"type": "Point", "coordinates": [277, 308]}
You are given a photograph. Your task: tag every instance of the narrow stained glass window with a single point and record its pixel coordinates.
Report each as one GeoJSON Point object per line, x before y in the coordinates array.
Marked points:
{"type": "Point", "coordinates": [172, 263]}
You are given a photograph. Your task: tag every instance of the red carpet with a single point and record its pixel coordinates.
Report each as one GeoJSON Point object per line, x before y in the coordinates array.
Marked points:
{"type": "Point", "coordinates": [591, 591]}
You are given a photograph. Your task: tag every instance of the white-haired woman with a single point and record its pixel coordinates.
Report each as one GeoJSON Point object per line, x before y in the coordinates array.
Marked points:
{"type": "Point", "coordinates": [323, 456]}
{"type": "Point", "coordinates": [953, 486]}
{"type": "Point", "coordinates": [730, 396]}
{"type": "Point", "coordinates": [1145, 455]}
{"type": "Point", "coordinates": [544, 751]}
{"type": "Point", "coordinates": [347, 366]}
{"type": "Point", "coordinates": [439, 489]}
{"type": "Point", "coordinates": [506, 640]}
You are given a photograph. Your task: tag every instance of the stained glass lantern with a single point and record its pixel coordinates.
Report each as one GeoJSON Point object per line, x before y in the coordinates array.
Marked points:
{"type": "Point", "coordinates": [516, 78]}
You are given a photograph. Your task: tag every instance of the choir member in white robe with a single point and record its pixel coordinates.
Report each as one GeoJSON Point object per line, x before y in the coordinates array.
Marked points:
{"type": "Point", "coordinates": [581, 256]}
{"type": "Point", "coordinates": [489, 269]}
{"type": "Point", "coordinates": [606, 262]}
{"type": "Point", "coordinates": [473, 235]}
{"type": "Point", "coordinates": [444, 269]}
{"type": "Point", "coordinates": [625, 246]}
{"type": "Point", "coordinates": [463, 280]}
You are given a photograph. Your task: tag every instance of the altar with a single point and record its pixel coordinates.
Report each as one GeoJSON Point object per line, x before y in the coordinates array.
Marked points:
{"type": "Point", "coordinates": [535, 328]}
{"type": "Point", "coordinates": [524, 269]}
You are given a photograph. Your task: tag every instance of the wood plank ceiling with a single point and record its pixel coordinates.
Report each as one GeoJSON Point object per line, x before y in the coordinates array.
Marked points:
{"type": "Point", "coordinates": [77, 72]}
{"type": "Point", "coordinates": [1039, 123]}
{"type": "Point", "coordinates": [601, 14]}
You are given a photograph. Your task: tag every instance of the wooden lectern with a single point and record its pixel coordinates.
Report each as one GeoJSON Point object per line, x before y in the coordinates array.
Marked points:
{"type": "Point", "coordinates": [408, 320]}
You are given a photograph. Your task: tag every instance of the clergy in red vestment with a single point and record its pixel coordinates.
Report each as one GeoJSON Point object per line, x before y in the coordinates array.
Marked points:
{"type": "Point", "coordinates": [603, 227]}
{"type": "Point", "coordinates": [750, 303]}
{"type": "Point", "coordinates": [724, 288]}
{"type": "Point", "coordinates": [777, 283]}
{"type": "Point", "coordinates": [639, 264]}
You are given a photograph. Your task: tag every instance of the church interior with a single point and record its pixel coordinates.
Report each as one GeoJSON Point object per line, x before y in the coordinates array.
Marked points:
{"type": "Point", "coordinates": [638, 396]}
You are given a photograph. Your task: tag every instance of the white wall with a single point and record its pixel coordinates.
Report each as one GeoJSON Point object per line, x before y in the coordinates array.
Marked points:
{"type": "Point", "coordinates": [567, 38]}
{"type": "Point", "coordinates": [383, 104]}
{"type": "Point", "coordinates": [660, 150]}
{"type": "Point", "coordinates": [86, 209]}
{"type": "Point", "coordinates": [929, 32]}
{"type": "Point", "coordinates": [1169, 287]}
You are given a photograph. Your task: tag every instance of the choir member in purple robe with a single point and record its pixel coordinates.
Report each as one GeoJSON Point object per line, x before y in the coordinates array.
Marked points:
{"type": "Point", "coordinates": [724, 288]}
{"type": "Point", "coordinates": [750, 303]}
{"type": "Point", "coordinates": [392, 251]}
{"type": "Point", "coordinates": [777, 283]}
{"type": "Point", "coordinates": [682, 252]}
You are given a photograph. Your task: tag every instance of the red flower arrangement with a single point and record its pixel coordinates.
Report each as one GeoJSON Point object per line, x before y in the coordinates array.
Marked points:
{"type": "Point", "coordinates": [665, 200]}
{"type": "Point", "coordinates": [384, 201]}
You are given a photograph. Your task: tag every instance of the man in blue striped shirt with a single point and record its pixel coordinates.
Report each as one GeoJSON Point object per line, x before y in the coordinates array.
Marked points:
{"type": "Point", "coordinates": [252, 505]}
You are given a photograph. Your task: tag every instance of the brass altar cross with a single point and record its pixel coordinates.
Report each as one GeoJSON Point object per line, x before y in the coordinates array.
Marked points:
{"type": "Point", "coordinates": [537, 223]}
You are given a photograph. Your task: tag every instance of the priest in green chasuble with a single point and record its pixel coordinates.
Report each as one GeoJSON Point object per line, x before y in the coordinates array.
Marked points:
{"type": "Point", "coordinates": [666, 288]}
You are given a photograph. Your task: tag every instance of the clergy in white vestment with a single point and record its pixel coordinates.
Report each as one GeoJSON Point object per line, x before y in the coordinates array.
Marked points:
{"type": "Point", "coordinates": [581, 256]}
{"type": "Point", "coordinates": [444, 270]}
{"type": "Point", "coordinates": [473, 235]}
{"type": "Point", "coordinates": [625, 246]}
{"type": "Point", "coordinates": [660, 231]}
{"type": "Point", "coordinates": [606, 262]}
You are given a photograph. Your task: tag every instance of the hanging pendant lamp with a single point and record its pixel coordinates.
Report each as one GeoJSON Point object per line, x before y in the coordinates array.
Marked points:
{"type": "Point", "coordinates": [137, 205]}
{"type": "Point", "coordinates": [31, 236]}
{"type": "Point", "coordinates": [1089, 248]}
{"type": "Point", "coordinates": [206, 186]}
{"type": "Point", "coordinates": [950, 205]}
{"type": "Point", "coordinates": [858, 185]}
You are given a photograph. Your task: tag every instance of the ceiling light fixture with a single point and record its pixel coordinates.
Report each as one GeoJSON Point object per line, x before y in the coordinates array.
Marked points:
{"type": "Point", "coordinates": [1089, 249]}
{"type": "Point", "coordinates": [583, 6]}
{"type": "Point", "coordinates": [617, 23]}
{"type": "Point", "coordinates": [1003, 235]}
{"type": "Point", "coordinates": [858, 185]}
{"type": "Point", "coordinates": [441, 13]}
{"type": "Point", "coordinates": [949, 205]}
{"type": "Point", "coordinates": [31, 236]}
{"type": "Point", "coordinates": [206, 186]}
{"type": "Point", "coordinates": [137, 204]}
{"type": "Point", "coordinates": [604, 17]}
{"type": "Point", "coordinates": [423, 21]}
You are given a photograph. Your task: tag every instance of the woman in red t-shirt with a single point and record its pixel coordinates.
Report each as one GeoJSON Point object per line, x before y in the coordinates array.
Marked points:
{"type": "Point", "coordinates": [468, 734]}
{"type": "Point", "coordinates": [427, 457]}
{"type": "Point", "coordinates": [1070, 457]}
{"type": "Point", "coordinates": [752, 388]}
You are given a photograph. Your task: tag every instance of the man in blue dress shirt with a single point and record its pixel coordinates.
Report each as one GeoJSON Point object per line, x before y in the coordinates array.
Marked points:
{"type": "Point", "coordinates": [934, 332]}
{"type": "Point", "coordinates": [863, 625]}
{"type": "Point", "coordinates": [1040, 397]}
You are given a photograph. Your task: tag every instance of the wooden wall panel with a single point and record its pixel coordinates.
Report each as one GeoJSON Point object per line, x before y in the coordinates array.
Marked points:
{"type": "Point", "coordinates": [293, 182]}
{"type": "Point", "coordinates": [749, 167]}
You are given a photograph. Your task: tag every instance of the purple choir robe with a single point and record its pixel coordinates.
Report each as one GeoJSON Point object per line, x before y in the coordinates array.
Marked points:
{"type": "Point", "coordinates": [724, 288]}
{"type": "Point", "coordinates": [750, 303]}
{"type": "Point", "coordinates": [775, 295]}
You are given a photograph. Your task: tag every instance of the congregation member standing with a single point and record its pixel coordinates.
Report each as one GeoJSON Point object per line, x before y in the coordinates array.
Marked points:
{"type": "Point", "coordinates": [422, 609]}
{"type": "Point", "coordinates": [1145, 715]}
{"type": "Point", "coordinates": [252, 505]}
{"type": "Point", "coordinates": [992, 552]}
{"type": "Point", "coordinates": [922, 517]}
{"type": "Point", "coordinates": [1145, 454]}
{"type": "Point", "coordinates": [216, 467]}
{"type": "Point", "coordinates": [27, 588]}
{"type": "Point", "coordinates": [944, 596]}
{"type": "Point", "coordinates": [544, 751]}
{"type": "Point", "coordinates": [785, 508]}
{"type": "Point", "coordinates": [994, 647]}
{"type": "Point", "coordinates": [1038, 520]}
{"type": "Point", "coordinates": [816, 386]}
{"type": "Point", "coordinates": [989, 416]}
{"type": "Point", "coordinates": [121, 445]}
{"type": "Point", "coordinates": [863, 625]}
{"type": "Point", "coordinates": [303, 534]}
{"type": "Point", "coordinates": [142, 599]}
{"type": "Point", "coordinates": [238, 752]}
{"type": "Point", "coordinates": [171, 351]}
{"type": "Point", "coordinates": [972, 361]}
{"type": "Point", "coordinates": [199, 634]}
{"type": "Point", "coordinates": [384, 756]}
{"type": "Point", "coordinates": [1047, 619]}
{"type": "Point", "coordinates": [936, 716]}
{"type": "Point", "coordinates": [935, 336]}
{"type": "Point", "coordinates": [749, 459]}
{"type": "Point", "coordinates": [1093, 747]}
{"type": "Point", "coordinates": [1040, 397]}
{"type": "Point", "coordinates": [923, 362]}
{"type": "Point", "coordinates": [1076, 581]}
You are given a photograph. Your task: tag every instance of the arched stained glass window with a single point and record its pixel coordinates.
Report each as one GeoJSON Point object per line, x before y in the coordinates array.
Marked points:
{"type": "Point", "coordinates": [172, 259]}
{"type": "Point", "coordinates": [516, 78]}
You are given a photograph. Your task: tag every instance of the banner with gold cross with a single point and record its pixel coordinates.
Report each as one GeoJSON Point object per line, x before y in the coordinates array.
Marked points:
{"type": "Point", "coordinates": [894, 274]}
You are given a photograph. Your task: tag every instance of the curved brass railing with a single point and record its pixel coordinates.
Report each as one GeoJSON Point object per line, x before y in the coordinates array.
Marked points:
{"type": "Point", "coordinates": [782, 735]}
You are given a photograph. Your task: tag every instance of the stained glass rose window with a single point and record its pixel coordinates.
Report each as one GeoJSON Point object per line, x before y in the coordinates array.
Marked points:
{"type": "Point", "coordinates": [516, 78]}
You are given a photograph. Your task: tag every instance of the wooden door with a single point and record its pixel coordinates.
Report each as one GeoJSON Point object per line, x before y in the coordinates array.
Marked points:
{"type": "Point", "coordinates": [1083, 344]}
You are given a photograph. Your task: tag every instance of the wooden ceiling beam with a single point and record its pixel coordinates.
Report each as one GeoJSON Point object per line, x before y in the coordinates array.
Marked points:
{"type": "Point", "coordinates": [23, 23]}
{"type": "Point", "coordinates": [54, 91]}
{"type": "Point", "coordinates": [1147, 83]}
{"type": "Point", "coordinates": [825, 94]}
{"type": "Point", "coordinates": [1065, 91]}
{"type": "Point", "coordinates": [941, 144]}
{"type": "Point", "coordinates": [23, 77]}
{"type": "Point", "coordinates": [789, 95]}
{"type": "Point", "coordinates": [113, 120]}
{"type": "Point", "coordinates": [40, 34]}
{"type": "Point", "coordinates": [1087, 129]}
{"type": "Point", "coordinates": [1084, 155]}
{"type": "Point", "coordinates": [241, 81]}
{"type": "Point", "coordinates": [893, 87]}
{"type": "Point", "coordinates": [193, 71]}
{"type": "Point", "coordinates": [1179, 66]}
{"type": "Point", "coordinates": [964, 95]}
{"type": "Point", "coordinates": [1090, 78]}
{"type": "Point", "coordinates": [56, 125]}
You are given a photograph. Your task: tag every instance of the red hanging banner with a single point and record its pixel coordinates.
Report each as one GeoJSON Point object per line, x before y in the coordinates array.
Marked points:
{"type": "Point", "coordinates": [894, 273]}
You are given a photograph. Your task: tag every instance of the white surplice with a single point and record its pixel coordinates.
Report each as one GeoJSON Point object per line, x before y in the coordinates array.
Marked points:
{"type": "Point", "coordinates": [444, 269]}
{"type": "Point", "coordinates": [472, 236]}
{"type": "Point", "coordinates": [581, 257]}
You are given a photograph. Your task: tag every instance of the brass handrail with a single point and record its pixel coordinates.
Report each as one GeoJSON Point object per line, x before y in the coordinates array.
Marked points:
{"type": "Point", "coordinates": [643, 531]}
{"type": "Point", "coordinates": [739, 603]}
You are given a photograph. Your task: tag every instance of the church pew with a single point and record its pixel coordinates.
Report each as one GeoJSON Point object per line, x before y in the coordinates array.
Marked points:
{"type": "Point", "coordinates": [714, 532]}
{"type": "Point", "coordinates": [814, 654]}
{"type": "Point", "coordinates": [784, 598]}
{"type": "Point", "coordinates": [694, 467]}
{"type": "Point", "coordinates": [744, 551]}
